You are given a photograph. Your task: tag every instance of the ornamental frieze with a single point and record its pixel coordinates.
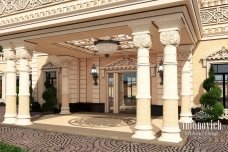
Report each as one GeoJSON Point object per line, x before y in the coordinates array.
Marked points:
{"type": "Point", "coordinates": [214, 15]}
{"type": "Point", "coordinates": [8, 7]}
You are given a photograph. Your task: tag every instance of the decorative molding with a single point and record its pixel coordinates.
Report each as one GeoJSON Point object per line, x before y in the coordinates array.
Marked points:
{"type": "Point", "coordinates": [222, 54]}
{"type": "Point", "coordinates": [126, 42]}
{"type": "Point", "coordinates": [209, 3]}
{"type": "Point", "coordinates": [142, 40]}
{"type": "Point", "coordinates": [22, 53]}
{"type": "Point", "coordinates": [9, 55]}
{"type": "Point", "coordinates": [170, 37]}
{"type": "Point", "coordinates": [17, 11]}
{"type": "Point", "coordinates": [125, 63]}
{"type": "Point", "coordinates": [214, 15]}
{"type": "Point", "coordinates": [50, 67]}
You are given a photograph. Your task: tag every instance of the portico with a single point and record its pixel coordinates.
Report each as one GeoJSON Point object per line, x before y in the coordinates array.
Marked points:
{"type": "Point", "coordinates": [155, 33]}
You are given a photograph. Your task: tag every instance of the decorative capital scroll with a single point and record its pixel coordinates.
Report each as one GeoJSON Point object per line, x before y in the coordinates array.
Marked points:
{"type": "Point", "coordinates": [142, 40]}
{"type": "Point", "coordinates": [9, 55]}
{"type": "Point", "coordinates": [170, 37]}
{"type": "Point", "coordinates": [22, 53]}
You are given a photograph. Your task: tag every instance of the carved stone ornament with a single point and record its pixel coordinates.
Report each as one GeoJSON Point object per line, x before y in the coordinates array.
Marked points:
{"type": "Point", "coordinates": [142, 40]}
{"type": "Point", "coordinates": [65, 60]}
{"type": "Point", "coordinates": [125, 63]}
{"type": "Point", "coordinates": [170, 37]}
{"type": "Point", "coordinates": [22, 53]}
{"type": "Point", "coordinates": [222, 54]}
{"type": "Point", "coordinates": [9, 55]}
{"type": "Point", "coordinates": [183, 55]}
{"type": "Point", "coordinates": [50, 67]}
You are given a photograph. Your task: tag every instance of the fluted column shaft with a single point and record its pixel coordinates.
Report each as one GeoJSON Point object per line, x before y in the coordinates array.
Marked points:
{"type": "Point", "coordinates": [23, 117]}
{"type": "Point", "coordinates": [65, 109]}
{"type": "Point", "coordinates": [170, 130]}
{"type": "Point", "coordinates": [186, 93]}
{"type": "Point", "coordinates": [143, 114]}
{"type": "Point", "coordinates": [10, 112]}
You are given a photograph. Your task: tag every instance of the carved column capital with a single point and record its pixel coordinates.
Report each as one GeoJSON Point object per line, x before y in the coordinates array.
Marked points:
{"type": "Point", "coordinates": [171, 37]}
{"type": "Point", "coordinates": [9, 54]}
{"type": "Point", "coordinates": [23, 53]}
{"type": "Point", "coordinates": [142, 40]}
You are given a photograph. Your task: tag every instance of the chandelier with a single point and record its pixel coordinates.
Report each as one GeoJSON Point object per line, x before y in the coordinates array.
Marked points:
{"type": "Point", "coordinates": [106, 47]}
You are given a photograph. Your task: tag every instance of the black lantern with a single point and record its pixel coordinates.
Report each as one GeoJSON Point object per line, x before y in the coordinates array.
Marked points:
{"type": "Point", "coordinates": [94, 74]}
{"type": "Point", "coordinates": [160, 71]}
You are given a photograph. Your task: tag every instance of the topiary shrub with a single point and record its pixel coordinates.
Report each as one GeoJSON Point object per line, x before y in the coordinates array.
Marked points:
{"type": "Point", "coordinates": [49, 95]}
{"type": "Point", "coordinates": [211, 100]}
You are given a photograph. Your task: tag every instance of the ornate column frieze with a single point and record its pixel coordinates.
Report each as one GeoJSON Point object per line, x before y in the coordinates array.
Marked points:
{"type": "Point", "coordinates": [170, 37]}
{"type": "Point", "coordinates": [8, 54]}
{"type": "Point", "coordinates": [22, 53]}
{"type": "Point", "coordinates": [142, 40]}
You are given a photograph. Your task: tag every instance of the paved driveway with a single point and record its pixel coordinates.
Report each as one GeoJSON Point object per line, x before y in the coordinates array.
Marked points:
{"type": "Point", "coordinates": [48, 141]}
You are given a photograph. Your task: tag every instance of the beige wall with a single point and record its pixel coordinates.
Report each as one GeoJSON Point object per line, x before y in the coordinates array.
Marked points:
{"type": "Point", "coordinates": [203, 49]}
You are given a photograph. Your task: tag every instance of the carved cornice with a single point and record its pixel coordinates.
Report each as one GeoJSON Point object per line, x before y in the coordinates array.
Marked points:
{"type": "Point", "coordinates": [22, 53]}
{"type": "Point", "coordinates": [220, 55]}
{"type": "Point", "coordinates": [209, 3]}
{"type": "Point", "coordinates": [9, 55]}
{"type": "Point", "coordinates": [170, 37]}
{"type": "Point", "coordinates": [142, 40]}
{"type": "Point", "coordinates": [23, 10]}
{"type": "Point", "coordinates": [50, 67]}
{"type": "Point", "coordinates": [126, 63]}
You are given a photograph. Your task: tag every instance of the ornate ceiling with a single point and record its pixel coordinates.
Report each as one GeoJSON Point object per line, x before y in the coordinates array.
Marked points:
{"type": "Point", "coordinates": [87, 45]}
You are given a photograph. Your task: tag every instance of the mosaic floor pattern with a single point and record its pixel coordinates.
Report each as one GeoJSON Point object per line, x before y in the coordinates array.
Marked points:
{"type": "Point", "coordinates": [44, 141]}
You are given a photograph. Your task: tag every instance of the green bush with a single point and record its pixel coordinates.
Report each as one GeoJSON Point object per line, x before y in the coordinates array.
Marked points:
{"type": "Point", "coordinates": [10, 148]}
{"type": "Point", "coordinates": [49, 95]}
{"type": "Point", "coordinates": [212, 98]}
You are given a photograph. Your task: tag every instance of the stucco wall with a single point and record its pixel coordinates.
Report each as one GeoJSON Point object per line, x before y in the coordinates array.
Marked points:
{"type": "Point", "coordinates": [203, 49]}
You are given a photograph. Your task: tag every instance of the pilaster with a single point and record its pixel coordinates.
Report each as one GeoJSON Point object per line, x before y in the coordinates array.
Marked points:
{"type": "Point", "coordinates": [65, 109]}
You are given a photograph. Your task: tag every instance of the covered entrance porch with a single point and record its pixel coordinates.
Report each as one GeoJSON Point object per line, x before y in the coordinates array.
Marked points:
{"type": "Point", "coordinates": [153, 34]}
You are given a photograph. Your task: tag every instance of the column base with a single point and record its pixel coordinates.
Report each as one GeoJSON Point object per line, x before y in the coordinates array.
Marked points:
{"type": "Point", "coordinates": [143, 132]}
{"type": "Point", "coordinates": [186, 118]}
{"type": "Point", "coordinates": [65, 111]}
{"type": "Point", "coordinates": [170, 135]}
{"type": "Point", "coordinates": [23, 120]}
{"type": "Point", "coordinates": [10, 118]}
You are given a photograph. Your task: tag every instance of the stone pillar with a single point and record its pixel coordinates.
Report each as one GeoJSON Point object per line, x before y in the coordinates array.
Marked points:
{"type": "Point", "coordinates": [186, 93]}
{"type": "Point", "coordinates": [10, 112]}
{"type": "Point", "coordinates": [23, 117]}
{"type": "Point", "coordinates": [170, 130]}
{"type": "Point", "coordinates": [65, 109]}
{"type": "Point", "coordinates": [116, 105]}
{"type": "Point", "coordinates": [142, 40]}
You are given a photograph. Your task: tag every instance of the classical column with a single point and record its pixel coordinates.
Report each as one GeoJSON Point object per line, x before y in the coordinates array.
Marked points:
{"type": "Point", "coordinates": [116, 105]}
{"type": "Point", "coordinates": [186, 93]}
{"type": "Point", "coordinates": [65, 109]}
{"type": "Point", "coordinates": [142, 40]}
{"type": "Point", "coordinates": [10, 112]}
{"type": "Point", "coordinates": [170, 130]}
{"type": "Point", "coordinates": [23, 117]}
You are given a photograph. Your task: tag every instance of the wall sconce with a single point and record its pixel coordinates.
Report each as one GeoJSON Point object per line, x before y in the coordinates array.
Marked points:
{"type": "Point", "coordinates": [160, 71]}
{"type": "Point", "coordinates": [94, 74]}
